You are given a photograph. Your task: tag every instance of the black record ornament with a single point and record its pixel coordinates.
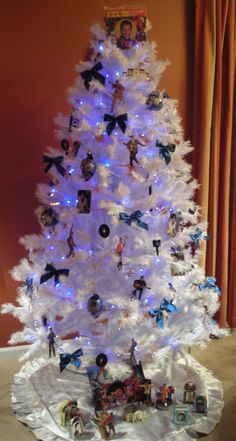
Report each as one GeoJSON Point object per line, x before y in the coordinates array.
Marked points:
{"type": "Point", "coordinates": [49, 217]}
{"type": "Point", "coordinates": [101, 360]}
{"type": "Point", "coordinates": [88, 167]}
{"type": "Point", "coordinates": [95, 305]}
{"type": "Point", "coordinates": [104, 230]}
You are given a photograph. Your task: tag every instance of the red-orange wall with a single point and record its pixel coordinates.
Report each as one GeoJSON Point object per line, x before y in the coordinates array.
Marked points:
{"type": "Point", "coordinates": [41, 42]}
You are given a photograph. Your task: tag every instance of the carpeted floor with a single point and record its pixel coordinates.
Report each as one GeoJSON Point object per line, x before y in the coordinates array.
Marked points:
{"type": "Point", "coordinates": [219, 357]}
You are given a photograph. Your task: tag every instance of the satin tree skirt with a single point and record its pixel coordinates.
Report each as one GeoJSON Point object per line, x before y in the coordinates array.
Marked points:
{"type": "Point", "coordinates": [39, 388]}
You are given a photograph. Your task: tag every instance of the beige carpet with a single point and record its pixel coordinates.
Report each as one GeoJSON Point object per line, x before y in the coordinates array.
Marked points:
{"type": "Point", "coordinates": [219, 357]}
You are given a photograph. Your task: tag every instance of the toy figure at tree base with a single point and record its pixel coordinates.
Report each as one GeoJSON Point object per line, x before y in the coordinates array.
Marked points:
{"type": "Point", "coordinates": [51, 343]}
{"type": "Point", "coordinates": [189, 392]}
{"type": "Point", "coordinates": [165, 397]}
{"type": "Point", "coordinates": [134, 413]}
{"type": "Point", "coordinates": [200, 405]}
{"type": "Point", "coordinates": [71, 417]}
{"type": "Point", "coordinates": [106, 424]}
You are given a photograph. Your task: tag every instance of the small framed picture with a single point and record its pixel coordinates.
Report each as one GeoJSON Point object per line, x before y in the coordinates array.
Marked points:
{"type": "Point", "coordinates": [126, 24]}
{"type": "Point", "coordinates": [84, 201]}
{"type": "Point", "coordinates": [181, 415]}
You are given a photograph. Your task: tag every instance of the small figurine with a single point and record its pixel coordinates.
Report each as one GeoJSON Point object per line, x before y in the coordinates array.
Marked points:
{"type": "Point", "coordinates": [49, 217]}
{"type": "Point", "coordinates": [95, 305]}
{"type": "Point", "coordinates": [119, 251]}
{"type": "Point", "coordinates": [200, 405]}
{"type": "Point", "coordinates": [132, 359]}
{"type": "Point", "coordinates": [177, 253]}
{"type": "Point", "coordinates": [156, 244]}
{"type": "Point", "coordinates": [134, 413]}
{"type": "Point", "coordinates": [133, 149]}
{"type": "Point", "coordinates": [118, 94]}
{"type": "Point", "coordinates": [139, 286]}
{"type": "Point", "coordinates": [71, 417]}
{"type": "Point", "coordinates": [44, 320]}
{"type": "Point", "coordinates": [147, 390]}
{"type": "Point", "coordinates": [155, 100]}
{"type": "Point", "coordinates": [165, 397]}
{"type": "Point", "coordinates": [106, 424]}
{"type": "Point", "coordinates": [189, 392]}
{"type": "Point", "coordinates": [71, 243]}
{"type": "Point", "coordinates": [88, 166]}
{"type": "Point", "coordinates": [174, 224]}
{"type": "Point", "coordinates": [51, 338]}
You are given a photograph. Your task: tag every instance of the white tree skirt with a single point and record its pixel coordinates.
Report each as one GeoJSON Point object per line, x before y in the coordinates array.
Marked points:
{"type": "Point", "coordinates": [39, 387]}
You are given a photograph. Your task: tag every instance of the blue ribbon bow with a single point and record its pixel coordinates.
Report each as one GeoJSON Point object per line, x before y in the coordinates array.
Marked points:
{"type": "Point", "coordinates": [89, 74]}
{"type": "Point", "coordinates": [56, 161]}
{"type": "Point", "coordinates": [158, 313]}
{"type": "Point", "coordinates": [210, 283]}
{"type": "Point", "coordinates": [74, 359]}
{"type": "Point", "coordinates": [165, 151]}
{"type": "Point", "coordinates": [29, 286]}
{"type": "Point", "coordinates": [53, 272]}
{"type": "Point", "coordinates": [133, 217]}
{"type": "Point", "coordinates": [199, 234]}
{"type": "Point", "coordinates": [112, 120]}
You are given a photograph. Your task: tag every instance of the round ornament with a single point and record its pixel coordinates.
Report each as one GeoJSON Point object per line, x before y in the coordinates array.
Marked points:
{"type": "Point", "coordinates": [104, 230]}
{"type": "Point", "coordinates": [49, 217]}
{"type": "Point", "coordinates": [101, 360]}
{"type": "Point", "coordinates": [155, 100]}
{"type": "Point", "coordinates": [95, 305]}
{"type": "Point", "coordinates": [88, 166]}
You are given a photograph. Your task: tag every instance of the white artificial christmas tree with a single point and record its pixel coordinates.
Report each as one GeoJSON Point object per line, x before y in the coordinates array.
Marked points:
{"type": "Point", "coordinates": [122, 225]}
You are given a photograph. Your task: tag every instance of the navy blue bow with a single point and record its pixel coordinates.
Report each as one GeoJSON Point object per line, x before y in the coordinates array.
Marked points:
{"type": "Point", "coordinates": [53, 272]}
{"type": "Point", "coordinates": [158, 313]}
{"type": "Point", "coordinates": [89, 74]}
{"type": "Point", "coordinates": [210, 283]}
{"type": "Point", "coordinates": [133, 217]}
{"type": "Point", "coordinates": [199, 234]}
{"type": "Point", "coordinates": [65, 359]}
{"type": "Point", "coordinates": [165, 151]}
{"type": "Point", "coordinates": [56, 161]}
{"type": "Point", "coordinates": [112, 120]}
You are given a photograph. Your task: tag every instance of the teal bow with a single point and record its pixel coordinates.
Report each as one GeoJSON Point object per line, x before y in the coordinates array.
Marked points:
{"type": "Point", "coordinates": [133, 217]}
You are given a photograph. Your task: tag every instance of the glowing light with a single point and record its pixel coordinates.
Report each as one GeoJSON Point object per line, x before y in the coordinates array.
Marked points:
{"type": "Point", "coordinates": [101, 48]}
{"type": "Point", "coordinates": [48, 236]}
{"type": "Point", "coordinates": [71, 170]}
{"type": "Point", "coordinates": [68, 201]}
{"type": "Point", "coordinates": [158, 260]}
{"type": "Point", "coordinates": [81, 102]}
{"type": "Point", "coordinates": [117, 74]}
{"type": "Point", "coordinates": [63, 257]}
{"type": "Point", "coordinates": [141, 270]}
{"type": "Point", "coordinates": [107, 164]}
{"type": "Point", "coordinates": [107, 75]}
{"type": "Point", "coordinates": [137, 116]}
{"type": "Point", "coordinates": [51, 248]}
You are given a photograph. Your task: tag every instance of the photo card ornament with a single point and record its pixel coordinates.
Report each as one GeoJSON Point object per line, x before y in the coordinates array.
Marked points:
{"type": "Point", "coordinates": [181, 415]}
{"type": "Point", "coordinates": [49, 217]}
{"type": "Point", "coordinates": [84, 201]}
{"type": "Point", "coordinates": [126, 25]}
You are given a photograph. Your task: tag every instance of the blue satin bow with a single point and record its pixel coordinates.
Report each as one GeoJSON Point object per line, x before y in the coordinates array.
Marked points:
{"type": "Point", "coordinates": [165, 151]}
{"type": "Point", "coordinates": [199, 234]}
{"type": "Point", "coordinates": [112, 120]}
{"type": "Point", "coordinates": [210, 283]}
{"type": "Point", "coordinates": [133, 217]}
{"type": "Point", "coordinates": [74, 359]}
{"type": "Point", "coordinates": [53, 272]}
{"type": "Point", "coordinates": [158, 313]}
{"type": "Point", "coordinates": [56, 161]}
{"type": "Point", "coordinates": [89, 74]}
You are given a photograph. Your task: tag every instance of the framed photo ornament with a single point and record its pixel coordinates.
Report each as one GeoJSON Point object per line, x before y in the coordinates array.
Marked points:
{"type": "Point", "coordinates": [126, 24]}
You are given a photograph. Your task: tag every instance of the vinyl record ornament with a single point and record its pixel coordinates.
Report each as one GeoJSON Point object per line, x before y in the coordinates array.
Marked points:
{"type": "Point", "coordinates": [104, 230]}
{"type": "Point", "coordinates": [88, 166]}
{"type": "Point", "coordinates": [49, 217]}
{"type": "Point", "coordinates": [101, 360]}
{"type": "Point", "coordinates": [95, 305]}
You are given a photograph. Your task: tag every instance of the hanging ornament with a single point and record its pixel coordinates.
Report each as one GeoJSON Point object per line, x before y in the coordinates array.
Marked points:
{"type": "Point", "coordinates": [101, 360]}
{"type": "Point", "coordinates": [174, 224]}
{"type": "Point", "coordinates": [44, 320]}
{"type": "Point", "coordinates": [49, 217]}
{"type": "Point", "coordinates": [134, 217]}
{"type": "Point", "coordinates": [95, 305]}
{"type": "Point", "coordinates": [165, 307]}
{"type": "Point", "coordinates": [165, 151]}
{"type": "Point", "coordinates": [54, 161]}
{"type": "Point", "coordinates": [28, 285]}
{"type": "Point", "coordinates": [65, 145]}
{"type": "Point", "coordinates": [118, 94]}
{"type": "Point", "coordinates": [88, 167]}
{"type": "Point", "coordinates": [104, 230]}
{"type": "Point", "coordinates": [71, 243]}
{"type": "Point", "coordinates": [120, 120]}
{"type": "Point", "coordinates": [51, 271]}
{"type": "Point", "coordinates": [90, 74]}
{"type": "Point", "coordinates": [155, 100]}
{"type": "Point", "coordinates": [119, 251]}
{"type": "Point", "coordinates": [132, 146]}
{"type": "Point", "coordinates": [74, 359]}
{"type": "Point", "coordinates": [84, 201]}
{"type": "Point", "coordinates": [156, 244]}
{"type": "Point", "coordinates": [73, 123]}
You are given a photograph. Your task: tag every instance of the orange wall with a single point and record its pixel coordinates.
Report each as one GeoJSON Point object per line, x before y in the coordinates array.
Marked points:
{"type": "Point", "coordinates": [41, 42]}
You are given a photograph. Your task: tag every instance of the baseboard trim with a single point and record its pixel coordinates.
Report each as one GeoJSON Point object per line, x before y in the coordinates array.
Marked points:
{"type": "Point", "coordinates": [14, 348]}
